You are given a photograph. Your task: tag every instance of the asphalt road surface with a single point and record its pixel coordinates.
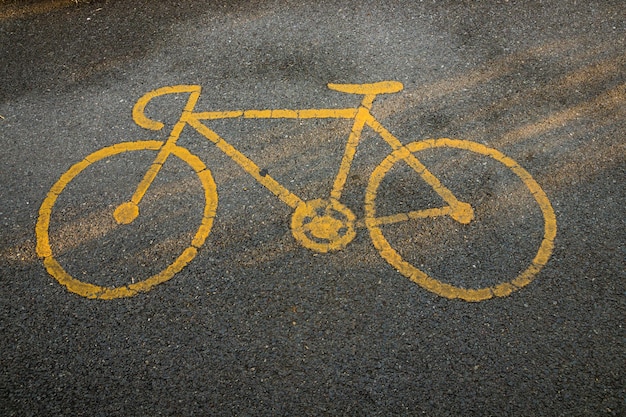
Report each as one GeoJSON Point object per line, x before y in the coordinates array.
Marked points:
{"type": "Point", "coordinates": [344, 208]}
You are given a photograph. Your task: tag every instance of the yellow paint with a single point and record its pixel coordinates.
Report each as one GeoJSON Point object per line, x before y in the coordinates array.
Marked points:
{"type": "Point", "coordinates": [460, 211]}
{"type": "Point", "coordinates": [126, 213]}
{"type": "Point", "coordinates": [139, 109]}
{"type": "Point", "coordinates": [278, 114]}
{"type": "Point", "coordinates": [45, 251]}
{"type": "Point", "coordinates": [418, 276]}
{"type": "Point", "coordinates": [323, 224]}
{"type": "Point", "coordinates": [383, 87]}
{"type": "Point", "coordinates": [349, 153]}
{"type": "Point", "coordinates": [250, 167]}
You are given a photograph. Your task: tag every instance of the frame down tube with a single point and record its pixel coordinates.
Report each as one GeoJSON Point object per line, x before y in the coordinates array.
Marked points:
{"type": "Point", "coordinates": [286, 196]}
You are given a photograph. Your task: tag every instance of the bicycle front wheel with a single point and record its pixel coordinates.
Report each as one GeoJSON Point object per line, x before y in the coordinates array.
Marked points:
{"type": "Point", "coordinates": [499, 183]}
{"type": "Point", "coordinates": [187, 251]}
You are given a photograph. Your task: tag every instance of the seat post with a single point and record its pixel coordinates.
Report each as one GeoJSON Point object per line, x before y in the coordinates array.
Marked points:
{"type": "Point", "coordinates": [368, 100]}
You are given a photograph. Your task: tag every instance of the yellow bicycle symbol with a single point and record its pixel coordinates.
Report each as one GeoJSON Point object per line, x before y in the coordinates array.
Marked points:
{"type": "Point", "coordinates": [323, 224]}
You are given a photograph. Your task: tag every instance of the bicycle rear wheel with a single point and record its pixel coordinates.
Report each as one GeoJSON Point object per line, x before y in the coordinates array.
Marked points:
{"type": "Point", "coordinates": [91, 290]}
{"type": "Point", "coordinates": [378, 224]}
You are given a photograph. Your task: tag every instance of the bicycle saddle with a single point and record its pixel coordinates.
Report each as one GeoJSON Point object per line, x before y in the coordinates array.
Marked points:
{"type": "Point", "coordinates": [382, 87]}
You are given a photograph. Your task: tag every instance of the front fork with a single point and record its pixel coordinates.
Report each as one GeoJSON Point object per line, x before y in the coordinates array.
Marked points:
{"type": "Point", "coordinates": [128, 211]}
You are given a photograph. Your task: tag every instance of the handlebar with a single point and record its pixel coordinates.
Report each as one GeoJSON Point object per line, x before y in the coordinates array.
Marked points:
{"type": "Point", "coordinates": [138, 109]}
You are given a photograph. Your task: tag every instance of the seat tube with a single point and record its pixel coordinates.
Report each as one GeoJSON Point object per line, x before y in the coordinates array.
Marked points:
{"type": "Point", "coordinates": [360, 119]}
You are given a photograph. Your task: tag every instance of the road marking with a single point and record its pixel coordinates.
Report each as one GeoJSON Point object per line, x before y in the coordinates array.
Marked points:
{"type": "Point", "coordinates": [44, 248]}
{"type": "Point", "coordinates": [420, 277]}
{"type": "Point", "coordinates": [322, 224]}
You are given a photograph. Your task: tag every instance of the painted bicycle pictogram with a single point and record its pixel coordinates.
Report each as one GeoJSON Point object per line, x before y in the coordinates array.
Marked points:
{"type": "Point", "coordinates": [323, 224]}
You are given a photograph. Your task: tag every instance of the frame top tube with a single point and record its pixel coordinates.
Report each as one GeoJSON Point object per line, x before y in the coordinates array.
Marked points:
{"type": "Point", "coordinates": [370, 91]}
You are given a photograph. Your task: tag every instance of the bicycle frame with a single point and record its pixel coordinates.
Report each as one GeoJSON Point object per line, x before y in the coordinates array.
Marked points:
{"type": "Point", "coordinates": [362, 116]}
